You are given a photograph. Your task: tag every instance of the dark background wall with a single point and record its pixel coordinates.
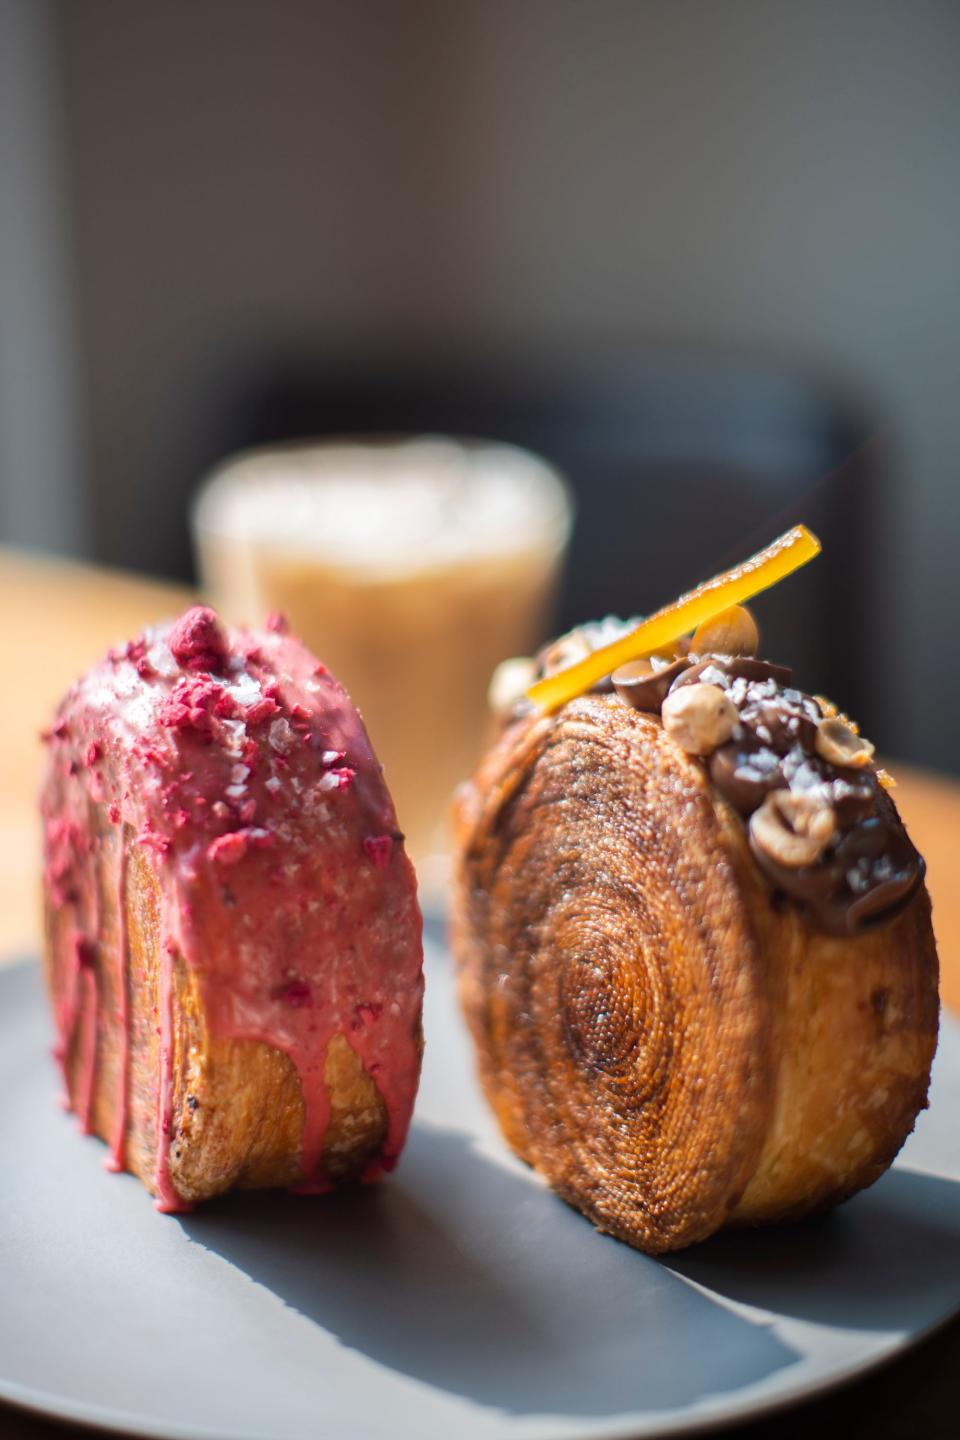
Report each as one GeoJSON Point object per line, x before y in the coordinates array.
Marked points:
{"type": "Point", "coordinates": [252, 188]}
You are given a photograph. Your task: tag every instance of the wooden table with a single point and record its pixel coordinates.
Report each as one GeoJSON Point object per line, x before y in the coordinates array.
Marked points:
{"type": "Point", "coordinates": [57, 618]}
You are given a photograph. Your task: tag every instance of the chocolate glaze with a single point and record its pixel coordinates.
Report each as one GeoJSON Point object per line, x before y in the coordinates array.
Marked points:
{"type": "Point", "coordinates": [241, 769]}
{"type": "Point", "coordinates": [745, 771]}
{"type": "Point", "coordinates": [871, 869]}
{"type": "Point", "coordinates": [737, 667]}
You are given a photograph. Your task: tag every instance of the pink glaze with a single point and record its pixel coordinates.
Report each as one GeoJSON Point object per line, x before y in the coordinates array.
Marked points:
{"type": "Point", "coordinates": [88, 1047]}
{"type": "Point", "coordinates": [244, 773]}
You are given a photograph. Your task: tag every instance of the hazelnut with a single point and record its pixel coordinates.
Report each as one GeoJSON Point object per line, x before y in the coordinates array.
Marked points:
{"type": "Point", "coordinates": [509, 683]}
{"type": "Point", "coordinates": [699, 717]}
{"type": "Point", "coordinates": [792, 829]}
{"type": "Point", "coordinates": [563, 652]}
{"type": "Point", "coordinates": [838, 743]}
{"type": "Point", "coordinates": [732, 632]}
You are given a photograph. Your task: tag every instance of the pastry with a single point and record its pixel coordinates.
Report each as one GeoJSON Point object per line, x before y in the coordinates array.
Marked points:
{"type": "Point", "coordinates": [693, 939]}
{"type": "Point", "coordinates": [233, 942]}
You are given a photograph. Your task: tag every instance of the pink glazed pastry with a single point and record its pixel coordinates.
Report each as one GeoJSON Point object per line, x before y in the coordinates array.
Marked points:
{"type": "Point", "coordinates": [234, 946]}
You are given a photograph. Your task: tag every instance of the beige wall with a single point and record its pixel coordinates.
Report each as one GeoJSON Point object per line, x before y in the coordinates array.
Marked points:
{"type": "Point", "coordinates": [555, 173]}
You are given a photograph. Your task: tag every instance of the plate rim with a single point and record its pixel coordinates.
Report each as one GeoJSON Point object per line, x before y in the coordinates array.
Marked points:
{"type": "Point", "coordinates": [35, 1403]}
{"type": "Point", "coordinates": [47, 1405]}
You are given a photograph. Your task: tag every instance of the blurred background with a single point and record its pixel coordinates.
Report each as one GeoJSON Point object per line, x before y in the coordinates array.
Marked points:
{"type": "Point", "coordinates": [700, 256]}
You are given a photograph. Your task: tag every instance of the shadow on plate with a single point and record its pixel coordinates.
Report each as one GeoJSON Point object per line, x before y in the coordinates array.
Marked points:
{"type": "Point", "coordinates": [467, 1275]}
{"type": "Point", "coordinates": [884, 1261]}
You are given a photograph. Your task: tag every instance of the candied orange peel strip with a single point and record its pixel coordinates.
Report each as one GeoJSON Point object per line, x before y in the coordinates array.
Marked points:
{"type": "Point", "coordinates": [666, 626]}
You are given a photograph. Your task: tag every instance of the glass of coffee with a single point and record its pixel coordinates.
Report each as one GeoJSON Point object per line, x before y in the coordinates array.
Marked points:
{"type": "Point", "coordinates": [411, 568]}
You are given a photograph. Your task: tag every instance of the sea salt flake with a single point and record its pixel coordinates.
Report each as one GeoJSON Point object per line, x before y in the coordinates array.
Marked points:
{"type": "Point", "coordinates": [281, 736]}
{"type": "Point", "coordinates": [245, 689]}
{"type": "Point", "coordinates": [336, 779]}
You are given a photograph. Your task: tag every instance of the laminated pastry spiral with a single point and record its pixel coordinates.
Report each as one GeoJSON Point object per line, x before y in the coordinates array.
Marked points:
{"type": "Point", "coordinates": [233, 949]}
{"type": "Point", "coordinates": [694, 947]}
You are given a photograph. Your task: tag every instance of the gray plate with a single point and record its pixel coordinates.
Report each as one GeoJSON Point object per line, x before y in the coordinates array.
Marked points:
{"type": "Point", "coordinates": [459, 1298]}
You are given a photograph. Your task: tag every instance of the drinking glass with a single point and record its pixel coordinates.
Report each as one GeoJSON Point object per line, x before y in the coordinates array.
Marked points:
{"type": "Point", "coordinates": [411, 568]}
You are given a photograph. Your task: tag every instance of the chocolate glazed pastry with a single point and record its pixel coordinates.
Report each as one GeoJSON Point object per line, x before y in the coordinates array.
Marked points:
{"type": "Point", "coordinates": [695, 951]}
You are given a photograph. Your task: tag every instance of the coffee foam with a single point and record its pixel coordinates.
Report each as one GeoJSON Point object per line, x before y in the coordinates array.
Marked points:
{"type": "Point", "coordinates": [399, 506]}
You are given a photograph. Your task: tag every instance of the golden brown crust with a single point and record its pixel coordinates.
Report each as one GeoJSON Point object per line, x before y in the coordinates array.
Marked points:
{"type": "Point", "coordinates": [671, 1050]}
{"type": "Point", "coordinates": [854, 1038]}
{"type": "Point", "coordinates": [236, 1107]}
